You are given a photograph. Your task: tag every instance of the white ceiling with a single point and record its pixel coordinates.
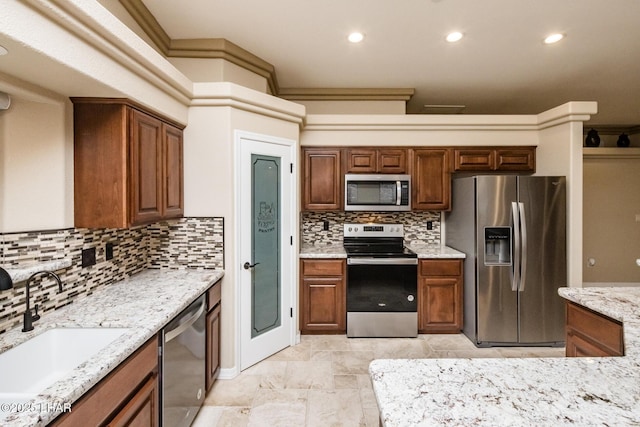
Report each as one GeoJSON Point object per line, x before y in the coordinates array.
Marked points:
{"type": "Point", "coordinates": [500, 67]}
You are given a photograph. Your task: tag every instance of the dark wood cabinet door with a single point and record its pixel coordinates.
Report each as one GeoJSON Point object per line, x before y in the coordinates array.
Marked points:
{"type": "Point", "coordinates": [439, 305]}
{"type": "Point", "coordinates": [173, 181]}
{"type": "Point", "coordinates": [516, 159]}
{"type": "Point", "coordinates": [473, 159]}
{"type": "Point", "coordinates": [146, 168]}
{"type": "Point", "coordinates": [431, 180]}
{"type": "Point", "coordinates": [322, 179]}
{"type": "Point", "coordinates": [361, 160]}
{"type": "Point", "coordinates": [323, 296]}
{"type": "Point", "coordinates": [578, 346]}
{"type": "Point", "coordinates": [213, 347]}
{"type": "Point", "coordinates": [440, 302]}
{"type": "Point", "coordinates": [324, 305]}
{"type": "Point", "coordinates": [592, 334]}
{"type": "Point", "coordinates": [392, 160]}
{"type": "Point", "coordinates": [142, 410]}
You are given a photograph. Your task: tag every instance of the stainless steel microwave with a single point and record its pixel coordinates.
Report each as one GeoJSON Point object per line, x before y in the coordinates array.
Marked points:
{"type": "Point", "coordinates": [378, 192]}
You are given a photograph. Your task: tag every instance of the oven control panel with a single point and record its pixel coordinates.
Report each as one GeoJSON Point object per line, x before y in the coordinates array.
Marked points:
{"type": "Point", "coordinates": [373, 230]}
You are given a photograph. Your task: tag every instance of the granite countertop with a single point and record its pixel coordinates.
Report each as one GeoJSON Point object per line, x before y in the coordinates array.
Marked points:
{"type": "Point", "coordinates": [145, 302]}
{"type": "Point", "coordinates": [585, 391]}
{"type": "Point", "coordinates": [423, 251]}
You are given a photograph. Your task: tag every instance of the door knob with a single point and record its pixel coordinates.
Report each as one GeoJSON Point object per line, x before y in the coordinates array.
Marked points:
{"type": "Point", "coordinates": [248, 266]}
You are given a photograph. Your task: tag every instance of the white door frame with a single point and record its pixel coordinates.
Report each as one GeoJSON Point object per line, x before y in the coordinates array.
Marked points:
{"type": "Point", "coordinates": [291, 254]}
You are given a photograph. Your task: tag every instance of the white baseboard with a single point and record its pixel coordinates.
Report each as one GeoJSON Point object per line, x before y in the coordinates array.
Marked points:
{"type": "Point", "coordinates": [228, 373]}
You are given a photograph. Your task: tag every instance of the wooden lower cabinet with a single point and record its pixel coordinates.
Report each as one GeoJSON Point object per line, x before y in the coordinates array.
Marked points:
{"type": "Point", "coordinates": [592, 334]}
{"type": "Point", "coordinates": [440, 296]}
{"type": "Point", "coordinates": [213, 335]}
{"type": "Point", "coordinates": [323, 296]}
{"type": "Point", "coordinates": [128, 396]}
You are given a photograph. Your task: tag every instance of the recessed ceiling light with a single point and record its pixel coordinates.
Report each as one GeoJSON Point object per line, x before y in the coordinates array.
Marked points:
{"type": "Point", "coordinates": [3, 50]}
{"type": "Point", "coordinates": [454, 37]}
{"type": "Point", "coordinates": [356, 37]}
{"type": "Point", "coordinates": [553, 38]}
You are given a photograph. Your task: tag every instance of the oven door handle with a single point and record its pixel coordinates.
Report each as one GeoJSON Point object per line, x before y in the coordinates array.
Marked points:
{"type": "Point", "coordinates": [382, 261]}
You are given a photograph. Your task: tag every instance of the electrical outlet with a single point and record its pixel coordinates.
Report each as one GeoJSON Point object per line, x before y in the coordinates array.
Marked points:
{"type": "Point", "coordinates": [108, 251]}
{"type": "Point", "coordinates": [325, 225]}
{"type": "Point", "coordinates": [88, 257]}
{"type": "Point", "coordinates": [429, 225]}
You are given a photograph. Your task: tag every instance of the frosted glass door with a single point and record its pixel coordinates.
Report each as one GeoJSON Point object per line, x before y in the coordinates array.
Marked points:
{"type": "Point", "coordinates": [265, 242]}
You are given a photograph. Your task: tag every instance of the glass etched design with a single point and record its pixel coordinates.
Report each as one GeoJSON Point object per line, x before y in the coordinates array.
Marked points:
{"type": "Point", "coordinates": [265, 244]}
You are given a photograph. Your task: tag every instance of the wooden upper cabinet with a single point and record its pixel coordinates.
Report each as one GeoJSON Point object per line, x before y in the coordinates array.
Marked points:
{"type": "Point", "coordinates": [173, 149]}
{"type": "Point", "coordinates": [473, 159]}
{"type": "Point", "coordinates": [383, 160]}
{"type": "Point", "coordinates": [322, 179]}
{"type": "Point", "coordinates": [431, 179]}
{"type": "Point", "coordinates": [128, 165]}
{"type": "Point", "coordinates": [146, 168]}
{"type": "Point", "coordinates": [490, 159]}
{"type": "Point", "coordinates": [516, 159]}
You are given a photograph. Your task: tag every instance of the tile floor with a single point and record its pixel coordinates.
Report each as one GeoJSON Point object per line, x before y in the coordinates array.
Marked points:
{"type": "Point", "coordinates": [324, 380]}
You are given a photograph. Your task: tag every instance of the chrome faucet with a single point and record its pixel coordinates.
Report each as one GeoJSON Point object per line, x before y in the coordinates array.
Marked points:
{"type": "Point", "coordinates": [28, 317]}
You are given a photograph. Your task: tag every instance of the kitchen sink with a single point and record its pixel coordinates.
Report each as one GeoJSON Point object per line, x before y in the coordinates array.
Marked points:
{"type": "Point", "coordinates": [29, 368]}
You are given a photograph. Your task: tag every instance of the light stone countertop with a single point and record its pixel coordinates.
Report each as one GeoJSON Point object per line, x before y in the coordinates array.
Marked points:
{"type": "Point", "coordinates": [145, 302]}
{"type": "Point", "coordinates": [435, 251]}
{"type": "Point", "coordinates": [423, 251]}
{"type": "Point", "coordinates": [23, 272]}
{"type": "Point", "coordinates": [585, 391]}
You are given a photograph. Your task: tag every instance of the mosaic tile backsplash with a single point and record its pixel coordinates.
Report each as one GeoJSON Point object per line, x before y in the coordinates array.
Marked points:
{"type": "Point", "coordinates": [415, 225]}
{"type": "Point", "coordinates": [177, 244]}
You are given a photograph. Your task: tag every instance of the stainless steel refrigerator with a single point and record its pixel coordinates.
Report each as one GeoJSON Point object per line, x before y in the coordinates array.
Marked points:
{"type": "Point", "coordinates": [513, 231]}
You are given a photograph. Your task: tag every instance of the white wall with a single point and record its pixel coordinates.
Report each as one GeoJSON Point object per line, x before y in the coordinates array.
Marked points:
{"type": "Point", "coordinates": [36, 165]}
{"type": "Point", "coordinates": [210, 171]}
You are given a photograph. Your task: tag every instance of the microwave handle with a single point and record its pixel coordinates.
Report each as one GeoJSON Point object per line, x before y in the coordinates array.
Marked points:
{"type": "Point", "coordinates": [398, 193]}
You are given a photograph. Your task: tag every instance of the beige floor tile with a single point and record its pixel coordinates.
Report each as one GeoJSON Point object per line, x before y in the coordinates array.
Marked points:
{"type": "Point", "coordinates": [208, 416]}
{"type": "Point", "coordinates": [324, 380]}
{"type": "Point", "coordinates": [239, 391]}
{"type": "Point", "coordinates": [233, 417]}
{"type": "Point", "coordinates": [334, 408]}
{"type": "Point", "coordinates": [345, 381]}
{"type": "Point", "coordinates": [279, 408]}
{"type": "Point", "coordinates": [352, 362]}
{"type": "Point", "coordinates": [308, 375]}
{"type": "Point", "coordinates": [532, 351]}
{"type": "Point", "coordinates": [301, 351]}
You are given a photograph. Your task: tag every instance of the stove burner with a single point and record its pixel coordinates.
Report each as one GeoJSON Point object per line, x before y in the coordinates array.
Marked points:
{"type": "Point", "coordinates": [376, 241]}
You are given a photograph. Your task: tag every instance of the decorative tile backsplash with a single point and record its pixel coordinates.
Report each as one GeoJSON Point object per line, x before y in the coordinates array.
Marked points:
{"type": "Point", "coordinates": [177, 244]}
{"type": "Point", "coordinates": [415, 225]}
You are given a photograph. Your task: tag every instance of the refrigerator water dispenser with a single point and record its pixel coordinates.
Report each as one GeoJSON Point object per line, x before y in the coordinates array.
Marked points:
{"type": "Point", "coordinates": [497, 246]}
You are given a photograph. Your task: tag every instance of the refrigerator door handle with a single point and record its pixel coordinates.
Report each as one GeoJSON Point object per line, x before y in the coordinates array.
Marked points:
{"type": "Point", "coordinates": [515, 262]}
{"type": "Point", "coordinates": [523, 233]}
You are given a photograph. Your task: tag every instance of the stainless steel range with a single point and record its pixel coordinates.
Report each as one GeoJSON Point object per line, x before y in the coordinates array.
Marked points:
{"type": "Point", "coordinates": [382, 282]}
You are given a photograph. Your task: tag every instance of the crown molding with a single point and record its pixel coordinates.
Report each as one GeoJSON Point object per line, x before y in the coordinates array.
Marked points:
{"type": "Point", "coordinates": [200, 48]}
{"type": "Point", "coordinates": [347, 94]}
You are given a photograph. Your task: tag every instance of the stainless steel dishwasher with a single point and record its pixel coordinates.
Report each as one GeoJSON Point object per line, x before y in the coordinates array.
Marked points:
{"type": "Point", "coordinates": [183, 365]}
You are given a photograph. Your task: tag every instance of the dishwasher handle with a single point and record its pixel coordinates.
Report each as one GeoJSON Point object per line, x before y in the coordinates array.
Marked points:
{"type": "Point", "coordinates": [171, 334]}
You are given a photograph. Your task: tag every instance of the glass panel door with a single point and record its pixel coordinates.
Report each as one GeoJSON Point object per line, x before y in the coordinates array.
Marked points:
{"type": "Point", "coordinates": [266, 280]}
